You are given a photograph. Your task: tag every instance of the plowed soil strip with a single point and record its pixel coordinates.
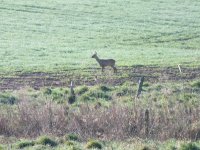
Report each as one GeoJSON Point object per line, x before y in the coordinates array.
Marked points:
{"type": "Point", "coordinates": [38, 80]}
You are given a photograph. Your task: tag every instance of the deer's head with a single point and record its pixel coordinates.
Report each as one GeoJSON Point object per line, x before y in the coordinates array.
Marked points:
{"type": "Point", "coordinates": [94, 55]}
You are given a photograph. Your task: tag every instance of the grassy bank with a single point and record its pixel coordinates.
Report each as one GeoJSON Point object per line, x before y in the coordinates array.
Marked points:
{"type": "Point", "coordinates": [111, 113]}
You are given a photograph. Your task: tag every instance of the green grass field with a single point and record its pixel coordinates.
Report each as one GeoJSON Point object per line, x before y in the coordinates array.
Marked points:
{"type": "Point", "coordinates": [59, 35]}
{"type": "Point", "coordinates": [44, 45]}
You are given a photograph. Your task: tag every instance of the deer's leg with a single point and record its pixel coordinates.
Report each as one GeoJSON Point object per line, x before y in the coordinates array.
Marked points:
{"type": "Point", "coordinates": [102, 68]}
{"type": "Point", "coordinates": [114, 68]}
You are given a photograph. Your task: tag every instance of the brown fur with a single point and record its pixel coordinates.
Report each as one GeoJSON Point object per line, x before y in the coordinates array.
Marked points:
{"type": "Point", "coordinates": [105, 62]}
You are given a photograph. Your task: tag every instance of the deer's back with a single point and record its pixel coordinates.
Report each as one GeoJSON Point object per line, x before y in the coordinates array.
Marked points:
{"type": "Point", "coordinates": [107, 62]}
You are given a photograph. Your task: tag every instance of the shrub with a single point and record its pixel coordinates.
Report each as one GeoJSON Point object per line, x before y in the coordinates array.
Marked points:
{"type": "Point", "coordinates": [69, 143]}
{"type": "Point", "coordinates": [146, 148]}
{"type": "Point", "coordinates": [146, 84]}
{"type": "Point", "coordinates": [158, 87]}
{"type": "Point", "coordinates": [72, 137]}
{"type": "Point", "coordinates": [196, 84]}
{"type": "Point", "coordinates": [23, 144]}
{"type": "Point", "coordinates": [47, 91]}
{"type": "Point", "coordinates": [189, 146]}
{"type": "Point", "coordinates": [95, 94]}
{"type": "Point", "coordinates": [101, 95]}
{"type": "Point", "coordinates": [86, 97]}
{"type": "Point", "coordinates": [57, 95]}
{"type": "Point", "coordinates": [45, 140]}
{"type": "Point", "coordinates": [94, 144]}
{"type": "Point", "coordinates": [82, 89]}
{"type": "Point", "coordinates": [104, 88]}
{"type": "Point", "coordinates": [7, 99]}
{"type": "Point", "coordinates": [123, 91]}
{"type": "Point", "coordinates": [187, 96]}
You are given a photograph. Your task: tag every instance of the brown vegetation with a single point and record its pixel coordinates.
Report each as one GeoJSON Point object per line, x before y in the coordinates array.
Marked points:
{"type": "Point", "coordinates": [116, 122]}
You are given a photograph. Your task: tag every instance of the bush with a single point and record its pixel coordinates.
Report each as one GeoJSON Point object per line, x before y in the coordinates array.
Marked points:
{"type": "Point", "coordinates": [47, 91]}
{"type": "Point", "coordinates": [146, 84]}
{"type": "Point", "coordinates": [72, 137]}
{"type": "Point", "coordinates": [44, 140]}
{"type": "Point", "coordinates": [69, 143]}
{"type": "Point", "coordinates": [123, 91]}
{"type": "Point", "coordinates": [92, 95]}
{"type": "Point", "coordinates": [23, 144]}
{"type": "Point", "coordinates": [86, 97]}
{"type": "Point", "coordinates": [7, 99]}
{"type": "Point", "coordinates": [146, 148]}
{"type": "Point", "coordinates": [97, 92]}
{"type": "Point", "coordinates": [57, 95]}
{"type": "Point", "coordinates": [189, 146]}
{"type": "Point", "coordinates": [196, 84]}
{"type": "Point", "coordinates": [82, 89]}
{"type": "Point", "coordinates": [94, 144]}
{"type": "Point", "coordinates": [104, 88]}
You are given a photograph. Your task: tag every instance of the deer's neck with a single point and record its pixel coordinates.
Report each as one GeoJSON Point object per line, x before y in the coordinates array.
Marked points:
{"type": "Point", "coordinates": [97, 59]}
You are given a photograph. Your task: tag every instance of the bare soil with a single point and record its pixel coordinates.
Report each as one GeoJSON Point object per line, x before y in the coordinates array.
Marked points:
{"type": "Point", "coordinates": [94, 76]}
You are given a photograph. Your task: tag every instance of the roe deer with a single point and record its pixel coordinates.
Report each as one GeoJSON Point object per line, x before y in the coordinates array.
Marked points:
{"type": "Point", "coordinates": [105, 62]}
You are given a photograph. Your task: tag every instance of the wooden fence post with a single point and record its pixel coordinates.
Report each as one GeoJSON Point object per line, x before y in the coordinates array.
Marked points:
{"type": "Point", "coordinates": [72, 96]}
{"type": "Point", "coordinates": [146, 118]}
{"type": "Point", "coordinates": [50, 115]}
{"type": "Point", "coordinates": [140, 84]}
{"type": "Point", "coordinates": [179, 67]}
{"type": "Point", "coordinates": [191, 136]}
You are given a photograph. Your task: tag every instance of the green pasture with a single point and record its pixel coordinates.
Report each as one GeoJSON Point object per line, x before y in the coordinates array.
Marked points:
{"type": "Point", "coordinates": [61, 35]}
